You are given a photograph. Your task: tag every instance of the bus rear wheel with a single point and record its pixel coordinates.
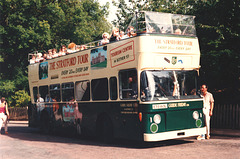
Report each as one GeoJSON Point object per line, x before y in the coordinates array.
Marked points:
{"type": "Point", "coordinates": [105, 130]}
{"type": "Point", "coordinates": [78, 128]}
{"type": "Point", "coordinates": [45, 123]}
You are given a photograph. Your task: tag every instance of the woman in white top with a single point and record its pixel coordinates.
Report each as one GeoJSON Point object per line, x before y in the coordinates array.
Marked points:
{"type": "Point", "coordinates": [105, 39]}
{"type": "Point", "coordinates": [62, 51]}
{"type": "Point", "coordinates": [54, 53]}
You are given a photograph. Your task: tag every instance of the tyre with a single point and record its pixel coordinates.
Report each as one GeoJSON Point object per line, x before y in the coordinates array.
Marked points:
{"type": "Point", "coordinates": [78, 128]}
{"type": "Point", "coordinates": [105, 130]}
{"type": "Point", "coordinates": [45, 123]}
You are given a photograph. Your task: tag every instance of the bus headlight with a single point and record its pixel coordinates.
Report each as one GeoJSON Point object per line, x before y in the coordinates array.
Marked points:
{"type": "Point", "coordinates": [157, 118]}
{"type": "Point", "coordinates": [195, 115]}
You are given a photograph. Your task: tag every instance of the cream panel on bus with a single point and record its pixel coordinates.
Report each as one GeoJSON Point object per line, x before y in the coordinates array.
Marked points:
{"type": "Point", "coordinates": [168, 53]}
{"type": "Point", "coordinates": [165, 44]}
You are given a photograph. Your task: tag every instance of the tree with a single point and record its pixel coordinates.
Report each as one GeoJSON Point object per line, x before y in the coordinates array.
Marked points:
{"type": "Point", "coordinates": [31, 25]}
{"type": "Point", "coordinates": [218, 29]}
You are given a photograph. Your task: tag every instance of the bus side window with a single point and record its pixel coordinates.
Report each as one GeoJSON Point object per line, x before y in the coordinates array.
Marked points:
{"type": "Point", "coordinates": [43, 91]}
{"type": "Point", "coordinates": [113, 88]}
{"type": "Point", "coordinates": [68, 92]}
{"type": "Point", "coordinates": [35, 92]}
{"type": "Point", "coordinates": [82, 91]}
{"type": "Point", "coordinates": [128, 84]}
{"type": "Point", "coordinates": [55, 93]}
{"type": "Point", "coordinates": [99, 89]}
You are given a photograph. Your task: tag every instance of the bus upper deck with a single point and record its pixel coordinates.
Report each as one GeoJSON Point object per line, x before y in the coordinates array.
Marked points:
{"type": "Point", "coordinates": [162, 24]}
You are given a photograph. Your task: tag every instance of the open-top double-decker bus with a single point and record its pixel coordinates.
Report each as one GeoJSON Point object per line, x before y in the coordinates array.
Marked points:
{"type": "Point", "coordinates": [143, 87]}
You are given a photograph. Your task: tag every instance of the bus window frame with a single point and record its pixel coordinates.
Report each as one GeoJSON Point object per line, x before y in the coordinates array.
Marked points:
{"type": "Point", "coordinates": [107, 89]}
{"type": "Point", "coordinates": [35, 95]}
{"type": "Point", "coordinates": [128, 89]}
{"type": "Point", "coordinates": [62, 89]}
{"type": "Point", "coordinates": [60, 98]}
{"type": "Point", "coordinates": [46, 94]}
{"type": "Point", "coordinates": [115, 86]}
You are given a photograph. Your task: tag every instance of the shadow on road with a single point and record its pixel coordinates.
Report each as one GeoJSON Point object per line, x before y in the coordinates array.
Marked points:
{"type": "Point", "coordinates": [21, 131]}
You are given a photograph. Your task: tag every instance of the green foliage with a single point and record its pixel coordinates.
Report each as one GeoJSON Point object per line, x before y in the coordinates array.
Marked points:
{"type": "Point", "coordinates": [218, 30]}
{"type": "Point", "coordinates": [20, 99]}
{"type": "Point", "coordinates": [30, 25]}
{"type": "Point", "coordinates": [7, 88]}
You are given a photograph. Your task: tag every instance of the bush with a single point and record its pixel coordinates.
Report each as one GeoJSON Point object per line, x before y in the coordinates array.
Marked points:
{"type": "Point", "coordinates": [21, 98]}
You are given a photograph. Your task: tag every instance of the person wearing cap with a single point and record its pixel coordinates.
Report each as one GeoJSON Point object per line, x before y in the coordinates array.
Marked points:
{"type": "Point", "coordinates": [39, 57]}
{"type": "Point", "coordinates": [4, 114]}
{"type": "Point", "coordinates": [105, 40]}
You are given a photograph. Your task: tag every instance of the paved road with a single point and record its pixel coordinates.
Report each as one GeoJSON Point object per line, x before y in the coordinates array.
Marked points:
{"type": "Point", "coordinates": [24, 142]}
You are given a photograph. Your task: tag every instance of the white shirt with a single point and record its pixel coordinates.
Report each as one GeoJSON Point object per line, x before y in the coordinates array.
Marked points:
{"type": "Point", "coordinates": [207, 100]}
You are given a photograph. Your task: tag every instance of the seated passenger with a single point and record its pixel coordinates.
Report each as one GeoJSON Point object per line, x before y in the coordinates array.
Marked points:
{"type": "Point", "coordinates": [122, 36]}
{"type": "Point", "coordinates": [45, 56]}
{"type": "Point", "coordinates": [115, 35]}
{"type": "Point", "coordinates": [133, 86]}
{"type": "Point", "coordinates": [33, 59]}
{"type": "Point", "coordinates": [62, 51]}
{"type": "Point", "coordinates": [39, 57]}
{"type": "Point", "coordinates": [78, 47]}
{"type": "Point", "coordinates": [130, 31]}
{"type": "Point", "coordinates": [49, 56]}
{"type": "Point", "coordinates": [71, 47]}
{"type": "Point", "coordinates": [178, 31]}
{"type": "Point", "coordinates": [105, 40]}
{"type": "Point", "coordinates": [54, 53]}
{"type": "Point", "coordinates": [83, 47]}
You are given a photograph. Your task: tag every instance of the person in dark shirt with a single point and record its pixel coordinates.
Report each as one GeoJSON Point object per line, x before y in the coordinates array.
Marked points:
{"type": "Point", "coordinates": [115, 35]}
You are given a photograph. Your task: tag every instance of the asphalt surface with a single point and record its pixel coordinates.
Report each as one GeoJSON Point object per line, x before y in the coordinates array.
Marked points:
{"type": "Point", "coordinates": [24, 142]}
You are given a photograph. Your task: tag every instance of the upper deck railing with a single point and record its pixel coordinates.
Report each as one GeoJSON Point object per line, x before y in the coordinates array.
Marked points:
{"type": "Point", "coordinates": [146, 22]}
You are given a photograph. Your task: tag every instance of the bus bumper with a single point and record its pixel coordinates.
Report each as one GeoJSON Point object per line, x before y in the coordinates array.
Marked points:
{"type": "Point", "coordinates": [174, 134]}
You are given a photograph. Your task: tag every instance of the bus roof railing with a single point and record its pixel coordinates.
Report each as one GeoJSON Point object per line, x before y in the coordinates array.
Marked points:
{"type": "Point", "coordinates": [147, 22]}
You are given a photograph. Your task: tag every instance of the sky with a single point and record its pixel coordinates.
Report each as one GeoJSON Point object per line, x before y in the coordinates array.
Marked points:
{"type": "Point", "coordinates": [112, 9]}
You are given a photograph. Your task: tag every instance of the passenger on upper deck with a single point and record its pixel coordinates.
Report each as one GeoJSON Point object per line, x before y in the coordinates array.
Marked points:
{"type": "Point", "coordinates": [39, 57]}
{"type": "Point", "coordinates": [33, 59]}
{"type": "Point", "coordinates": [71, 47]}
{"type": "Point", "coordinates": [83, 47]}
{"type": "Point", "coordinates": [130, 31]}
{"type": "Point", "coordinates": [178, 31]}
{"type": "Point", "coordinates": [54, 53]}
{"type": "Point", "coordinates": [45, 56]}
{"type": "Point", "coordinates": [49, 56]}
{"type": "Point", "coordinates": [62, 51]}
{"type": "Point", "coordinates": [105, 40]}
{"type": "Point", "coordinates": [115, 35]}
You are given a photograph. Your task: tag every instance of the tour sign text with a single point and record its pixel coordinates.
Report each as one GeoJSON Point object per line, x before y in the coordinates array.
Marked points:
{"type": "Point", "coordinates": [72, 61]}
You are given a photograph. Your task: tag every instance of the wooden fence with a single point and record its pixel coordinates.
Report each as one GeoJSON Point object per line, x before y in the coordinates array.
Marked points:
{"type": "Point", "coordinates": [18, 113]}
{"type": "Point", "coordinates": [226, 116]}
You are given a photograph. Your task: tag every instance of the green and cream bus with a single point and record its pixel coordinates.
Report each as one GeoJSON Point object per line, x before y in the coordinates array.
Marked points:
{"type": "Point", "coordinates": [142, 87]}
